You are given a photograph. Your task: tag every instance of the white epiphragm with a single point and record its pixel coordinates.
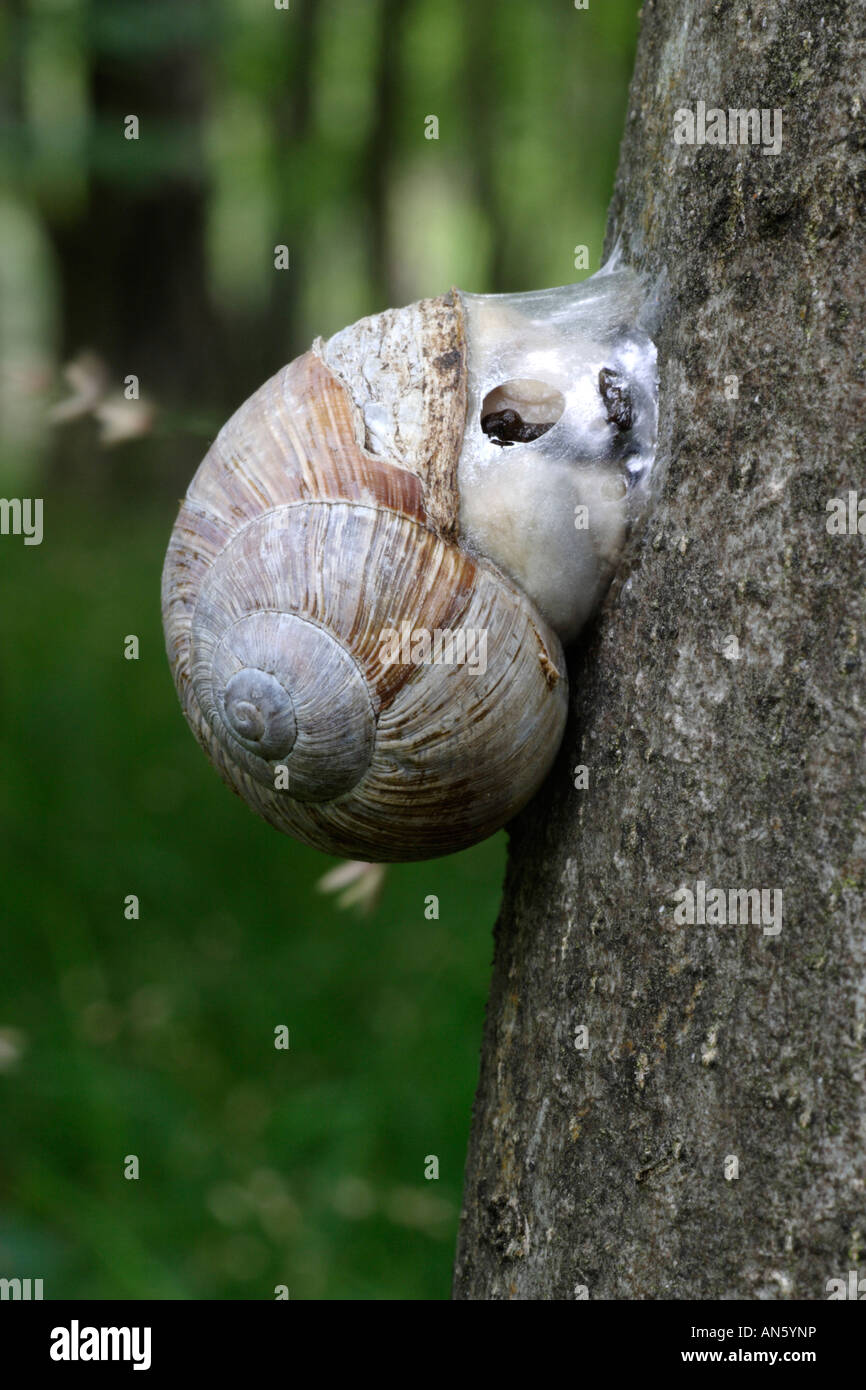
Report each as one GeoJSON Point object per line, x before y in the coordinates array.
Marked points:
{"type": "Point", "coordinates": [521, 504]}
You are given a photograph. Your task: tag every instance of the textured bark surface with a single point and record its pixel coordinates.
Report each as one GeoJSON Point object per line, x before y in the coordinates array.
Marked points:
{"type": "Point", "coordinates": [604, 1168]}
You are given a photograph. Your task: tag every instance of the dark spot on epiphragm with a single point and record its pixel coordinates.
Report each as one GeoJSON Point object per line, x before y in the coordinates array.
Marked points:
{"type": "Point", "coordinates": [506, 427]}
{"type": "Point", "coordinates": [617, 398]}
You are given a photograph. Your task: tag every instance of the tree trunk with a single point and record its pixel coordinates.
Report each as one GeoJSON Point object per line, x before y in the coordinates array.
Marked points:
{"type": "Point", "coordinates": [709, 1140]}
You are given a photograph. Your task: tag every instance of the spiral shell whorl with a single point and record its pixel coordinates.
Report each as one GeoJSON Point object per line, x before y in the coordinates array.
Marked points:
{"type": "Point", "coordinates": [258, 710]}
{"type": "Point", "coordinates": [279, 686]}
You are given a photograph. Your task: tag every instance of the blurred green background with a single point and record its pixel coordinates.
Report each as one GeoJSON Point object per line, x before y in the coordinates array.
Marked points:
{"type": "Point", "coordinates": [154, 257]}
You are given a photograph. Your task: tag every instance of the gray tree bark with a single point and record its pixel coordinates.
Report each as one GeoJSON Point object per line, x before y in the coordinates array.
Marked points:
{"type": "Point", "coordinates": [607, 1172]}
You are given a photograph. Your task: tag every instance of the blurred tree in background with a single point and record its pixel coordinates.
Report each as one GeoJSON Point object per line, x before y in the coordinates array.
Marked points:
{"type": "Point", "coordinates": [155, 257]}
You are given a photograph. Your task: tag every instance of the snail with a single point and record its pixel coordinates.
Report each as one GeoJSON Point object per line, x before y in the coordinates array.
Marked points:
{"type": "Point", "coordinates": [375, 568]}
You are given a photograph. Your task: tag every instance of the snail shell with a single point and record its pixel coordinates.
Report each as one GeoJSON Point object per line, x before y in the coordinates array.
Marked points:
{"type": "Point", "coordinates": [329, 513]}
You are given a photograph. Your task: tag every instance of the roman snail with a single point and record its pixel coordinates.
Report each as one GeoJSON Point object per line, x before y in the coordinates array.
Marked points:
{"type": "Point", "coordinates": [371, 577]}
